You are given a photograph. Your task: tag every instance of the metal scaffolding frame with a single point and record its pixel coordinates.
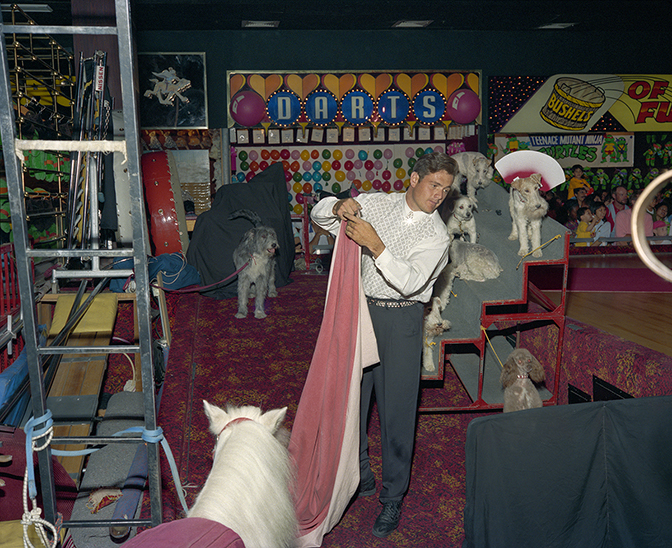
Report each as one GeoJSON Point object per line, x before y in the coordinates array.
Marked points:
{"type": "Point", "coordinates": [36, 353]}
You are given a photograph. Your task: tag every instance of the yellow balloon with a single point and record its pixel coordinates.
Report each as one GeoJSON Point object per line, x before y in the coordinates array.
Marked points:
{"type": "Point", "coordinates": [298, 209]}
{"type": "Point", "coordinates": [297, 188]}
{"type": "Point", "coordinates": [340, 176]}
{"type": "Point", "coordinates": [338, 154]}
{"type": "Point", "coordinates": [401, 173]}
{"type": "Point", "coordinates": [305, 155]}
{"type": "Point", "coordinates": [407, 183]}
{"type": "Point", "coordinates": [366, 185]}
{"type": "Point", "coordinates": [326, 166]}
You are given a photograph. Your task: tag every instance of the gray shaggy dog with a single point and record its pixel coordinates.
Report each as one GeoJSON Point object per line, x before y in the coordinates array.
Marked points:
{"type": "Point", "coordinates": [519, 392]}
{"type": "Point", "coordinates": [257, 248]}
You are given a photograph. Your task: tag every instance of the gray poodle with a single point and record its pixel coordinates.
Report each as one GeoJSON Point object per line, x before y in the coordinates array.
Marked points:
{"type": "Point", "coordinates": [257, 249]}
{"type": "Point", "coordinates": [519, 392]}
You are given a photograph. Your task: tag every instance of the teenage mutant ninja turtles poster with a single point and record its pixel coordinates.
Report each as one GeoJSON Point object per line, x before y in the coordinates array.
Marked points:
{"type": "Point", "coordinates": [172, 90]}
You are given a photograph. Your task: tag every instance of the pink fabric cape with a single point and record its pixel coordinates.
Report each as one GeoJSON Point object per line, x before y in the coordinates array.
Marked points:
{"type": "Point", "coordinates": [325, 436]}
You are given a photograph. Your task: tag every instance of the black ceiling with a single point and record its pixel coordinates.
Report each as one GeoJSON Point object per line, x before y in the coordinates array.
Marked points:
{"type": "Point", "coordinates": [613, 16]}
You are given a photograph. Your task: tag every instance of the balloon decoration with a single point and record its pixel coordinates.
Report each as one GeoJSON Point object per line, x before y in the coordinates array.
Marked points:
{"type": "Point", "coordinates": [247, 108]}
{"type": "Point", "coordinates": [464, 106]}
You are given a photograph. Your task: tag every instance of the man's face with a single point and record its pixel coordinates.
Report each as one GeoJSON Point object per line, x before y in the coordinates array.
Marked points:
{"type": "Point", "coordinates": [428, 193]}
{"type": "Point", "coordinates": [581, 193]}
{"type": "Point", "coordinates": [621, 195]}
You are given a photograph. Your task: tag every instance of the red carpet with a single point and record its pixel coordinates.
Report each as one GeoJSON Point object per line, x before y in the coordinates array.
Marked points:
{"type": "Point", "coordinates": [617, 280]}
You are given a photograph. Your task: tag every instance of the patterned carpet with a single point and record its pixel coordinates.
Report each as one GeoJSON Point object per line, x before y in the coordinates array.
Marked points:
{"type": "Point", "coordinates": [217, 357]}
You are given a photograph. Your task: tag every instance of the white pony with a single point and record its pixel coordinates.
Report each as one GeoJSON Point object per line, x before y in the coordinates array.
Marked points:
{"type": "Point", "coordinates": [248, 489]}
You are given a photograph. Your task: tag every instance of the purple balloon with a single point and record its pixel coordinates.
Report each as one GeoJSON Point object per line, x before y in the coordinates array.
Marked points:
{"type": "Point", "coordinates": [388, 153]}
{"type": "Point", "coordinates": [463, 106]}
{"type": "Point", "coordinates": [307, 165]}
{"type": "Point", "coordinates": [296, 154]}
{"type": "Point", "coordinates": [378, 165]}
{"type": "Point", "coordinates": [350, 175]}
{"type": "Point", "coordinates": [370, 175]}
{"type": "Point", "coordinates": [247, 108]}
{"type": "Point", "coordinates": [410, 152]}
{"type": "Point", "coordinates": [358, 164]}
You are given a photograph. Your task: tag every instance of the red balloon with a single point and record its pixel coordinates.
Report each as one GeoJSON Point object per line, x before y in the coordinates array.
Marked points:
{"type": "Point", "coordinates": [247, 108]}
{"type": "Point", "coordinates": [464, 106]}
{"type": "Point", "coordinates": [335, 165]}
{"type": "Point", "coordinates": [284, 153]}
{"type": "Point", "coordinates": [263, 165]}
{"type": "Point", "coordinates": [368, 165]}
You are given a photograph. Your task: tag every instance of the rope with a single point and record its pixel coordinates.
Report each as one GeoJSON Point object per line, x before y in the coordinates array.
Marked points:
{"type": "Point", "coordinates": [542, 246]}
{"type": "Point", "coordinates": [191, 289]}
{"type": "Point", "coordinates": [33, 517]}
{"type": "Point", "coordinates": [492, 347]}
{"type": "Point", "coordinates": [29, 487]}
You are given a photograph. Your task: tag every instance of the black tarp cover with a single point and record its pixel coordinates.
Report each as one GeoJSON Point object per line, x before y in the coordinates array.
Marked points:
{"type": "Point", "coordinates": [584, 475]}
{"type": "Point", "coordinates": [215, 236]}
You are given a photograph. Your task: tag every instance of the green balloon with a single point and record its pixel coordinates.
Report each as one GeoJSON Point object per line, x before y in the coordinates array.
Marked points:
{"type": "Point", "coordinates": [377, 154]}
{"type": "Point", "coordinates": [242, 156]}
{"type": "Point", "coordinates": [244, 165]}
{"type": "Point", "coordinates": [326, 154]}
{"type": "Point", "coordinates": [398, 162]}
{"type": "Point", "coordinates": [336, 188]}
{"type": "Point", "coordinates": [297, 177]}
{"type": "Point", "coordinates": [411, 162]}
{"type": "Point", "coordinates": [326, 176]}
{"type": "Point", "coordinates": [419, 152]}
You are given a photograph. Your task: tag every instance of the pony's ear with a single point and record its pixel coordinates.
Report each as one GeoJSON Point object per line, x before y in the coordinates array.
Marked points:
{"type": "Point", "coordinates": [273, 419]}
{"type": "Point", "coordinates": [217, 417]}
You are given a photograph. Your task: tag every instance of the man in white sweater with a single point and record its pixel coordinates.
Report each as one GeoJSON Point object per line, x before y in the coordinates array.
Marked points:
{"type": "Point", "coordinates": [404, 249]}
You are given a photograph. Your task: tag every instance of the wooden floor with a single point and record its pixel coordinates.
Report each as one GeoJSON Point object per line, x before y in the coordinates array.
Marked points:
{"type": "Point", "coordinates": [644, 318]}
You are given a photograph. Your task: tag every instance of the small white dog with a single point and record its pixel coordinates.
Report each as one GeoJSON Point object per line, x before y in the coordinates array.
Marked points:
{"type": "Point", "coordinates": [527, 208]}
{"type": "Point", "coordinates": [519, 392]}
{"type": "Point", "coordinates": [462, 221]}
{"type": "Point", "coordinates": [472, 262]}
{"type": "Point", "coordinates": [476, 169]}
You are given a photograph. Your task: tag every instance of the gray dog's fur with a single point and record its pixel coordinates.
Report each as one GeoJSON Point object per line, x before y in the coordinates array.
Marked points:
{"type": "Point", "coordinates": [258, 247]}
{"type": "Point", "coordinates": [476, 169]}
{"type": "Point", "coordinates": [527, 208]}
{"type": "Point", "coordinates": [519, 392]}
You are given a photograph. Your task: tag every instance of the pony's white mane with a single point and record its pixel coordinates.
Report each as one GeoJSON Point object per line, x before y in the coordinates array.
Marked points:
{"type": "Point", "coordinates": [248, 488]}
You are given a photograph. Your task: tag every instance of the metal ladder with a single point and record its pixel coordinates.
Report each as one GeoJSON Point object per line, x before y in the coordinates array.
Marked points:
{"type": "Point", "coordinates": [130, 148]}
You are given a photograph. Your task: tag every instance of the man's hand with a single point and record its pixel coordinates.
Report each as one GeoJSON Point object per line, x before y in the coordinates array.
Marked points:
{"type": "Point", "coordinates": [362, 233]}
{"type": "Point", "coordinates": [346, 206]}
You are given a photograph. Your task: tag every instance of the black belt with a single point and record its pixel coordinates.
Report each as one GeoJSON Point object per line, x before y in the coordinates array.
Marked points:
{"type": "Point", "coordinates": [390, 303]}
